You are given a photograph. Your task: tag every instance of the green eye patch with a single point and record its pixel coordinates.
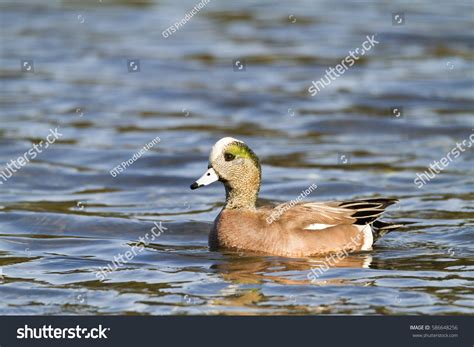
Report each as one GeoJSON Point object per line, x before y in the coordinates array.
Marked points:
{"type": "Point", "coordinates": [241, 150]}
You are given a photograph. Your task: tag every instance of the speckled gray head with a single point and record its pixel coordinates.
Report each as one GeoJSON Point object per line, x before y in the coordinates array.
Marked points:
{"type": "Point", "coordinates": [232, 162]}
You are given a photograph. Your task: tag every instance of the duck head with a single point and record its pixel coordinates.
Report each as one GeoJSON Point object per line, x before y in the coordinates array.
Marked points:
{"type": "Point", "coordinates": [234, 164]}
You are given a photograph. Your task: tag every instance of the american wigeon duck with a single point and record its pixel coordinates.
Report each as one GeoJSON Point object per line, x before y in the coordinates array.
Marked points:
{"type": "Point", "coordinates": [292, 230]}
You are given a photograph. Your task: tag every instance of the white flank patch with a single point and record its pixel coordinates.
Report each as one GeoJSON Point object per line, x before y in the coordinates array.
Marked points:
{"type": "Point", "coordinates": [368, 237]}
{"type": "Point", "coordinates": [318, 226]}
{"type": "Point", "coordinates": [367, 262]}
{"type": "Point", "coordinates": [219, 146]}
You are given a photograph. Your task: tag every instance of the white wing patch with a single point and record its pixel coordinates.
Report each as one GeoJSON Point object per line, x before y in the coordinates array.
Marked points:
{"type": "Point", "coordinates": [318, 226]}
{"type": "Point", "coordinates": [366, 230]}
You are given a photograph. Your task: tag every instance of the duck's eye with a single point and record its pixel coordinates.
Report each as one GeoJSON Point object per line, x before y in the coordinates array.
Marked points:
{"type": "Point", "coordinates": [229, 156]}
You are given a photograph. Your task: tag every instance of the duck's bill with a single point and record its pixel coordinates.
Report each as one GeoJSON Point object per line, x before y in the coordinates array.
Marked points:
{"type": "Point", "coordinates": [210, 176]}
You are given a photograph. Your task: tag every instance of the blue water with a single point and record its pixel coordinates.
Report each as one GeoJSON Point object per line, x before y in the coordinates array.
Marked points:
{"type": "Point", "coordinates": [63, 216]}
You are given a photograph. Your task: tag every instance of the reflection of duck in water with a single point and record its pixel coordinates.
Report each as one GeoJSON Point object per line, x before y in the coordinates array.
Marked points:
{"type": "Point", "coordinates": [246, 273]}
{"type": "Point", "coordinates": [257, 269]}
{"type": "Point", "coordinates": [290, 229]}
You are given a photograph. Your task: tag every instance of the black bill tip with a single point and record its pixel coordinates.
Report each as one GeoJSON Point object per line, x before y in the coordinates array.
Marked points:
{"type": "Point", "coordinates": [195, 185]}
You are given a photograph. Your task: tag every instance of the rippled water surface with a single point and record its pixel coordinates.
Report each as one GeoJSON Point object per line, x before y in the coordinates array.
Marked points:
{"type": "Point", "coordinates": [63, 216]}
